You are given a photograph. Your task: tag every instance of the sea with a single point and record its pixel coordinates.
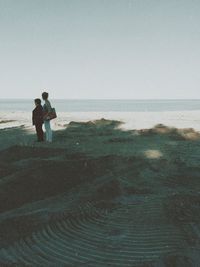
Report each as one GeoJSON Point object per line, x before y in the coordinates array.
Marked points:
{"type": "Point", "coordinates": [68, 105]}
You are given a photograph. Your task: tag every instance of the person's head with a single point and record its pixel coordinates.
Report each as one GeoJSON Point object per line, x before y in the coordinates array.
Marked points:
{"type": "Point", "coordinates": [37, 102]}
{"type": "Point", "coordinates": [45, 95]}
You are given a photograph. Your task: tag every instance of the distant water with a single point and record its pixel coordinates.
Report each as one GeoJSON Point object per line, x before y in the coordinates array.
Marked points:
{"type": "Point", "coordinates": [104, 105]}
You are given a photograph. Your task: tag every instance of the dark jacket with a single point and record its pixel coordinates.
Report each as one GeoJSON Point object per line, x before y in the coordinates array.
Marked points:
{"type": "Point", "coordinates": [38, 115]}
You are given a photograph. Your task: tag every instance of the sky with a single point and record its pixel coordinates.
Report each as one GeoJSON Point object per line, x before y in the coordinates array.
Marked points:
{"type": "Point", "coordinates": [100, 49]}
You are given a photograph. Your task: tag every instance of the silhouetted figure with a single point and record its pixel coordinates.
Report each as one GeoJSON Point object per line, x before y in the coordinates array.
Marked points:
{"type": "Point", "coordinates": [38, 119]}
{"type": "Point", "coordinates": [47, 109]}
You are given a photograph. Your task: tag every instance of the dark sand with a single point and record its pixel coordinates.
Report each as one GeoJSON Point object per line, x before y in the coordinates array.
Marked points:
{"type": "Point", "coordinates": [100, 196]}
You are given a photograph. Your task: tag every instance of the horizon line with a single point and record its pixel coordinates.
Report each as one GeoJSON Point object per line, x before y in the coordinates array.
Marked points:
{"type": "Point", "coordinates": [104, 99]}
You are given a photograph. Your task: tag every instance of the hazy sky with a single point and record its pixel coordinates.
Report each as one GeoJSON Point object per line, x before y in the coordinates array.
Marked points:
{"type": "Point", "coordinates": [100, 48]}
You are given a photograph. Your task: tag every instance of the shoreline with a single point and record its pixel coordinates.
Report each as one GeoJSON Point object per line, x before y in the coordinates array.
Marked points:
{"type": "Point", "coordinates": [131, 120]}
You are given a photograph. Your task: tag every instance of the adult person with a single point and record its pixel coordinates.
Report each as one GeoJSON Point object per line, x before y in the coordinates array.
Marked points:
{"type": "Point", "coordinates": [47, 109]}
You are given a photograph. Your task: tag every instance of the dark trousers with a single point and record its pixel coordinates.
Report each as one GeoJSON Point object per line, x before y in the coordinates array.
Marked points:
{"type": "Point", "coordinates": [39, 131]}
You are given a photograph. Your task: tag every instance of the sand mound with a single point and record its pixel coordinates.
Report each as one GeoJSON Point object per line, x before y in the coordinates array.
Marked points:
{"type": "Point", "coordinates": [182, 134]}
{"type": "Point", "coordinates": [97, 123]}
{"type": "Point", "coordinates": [6, 121]}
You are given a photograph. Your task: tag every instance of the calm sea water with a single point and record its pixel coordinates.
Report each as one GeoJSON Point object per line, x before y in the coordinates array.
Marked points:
{"type": "Point", "coordinates": [104, 105]}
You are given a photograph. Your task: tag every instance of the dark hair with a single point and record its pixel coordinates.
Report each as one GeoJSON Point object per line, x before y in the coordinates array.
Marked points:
{"type": "Point", "coordinates": [37, 101]}
{"type": "Point", "coordinates": [45, 95]}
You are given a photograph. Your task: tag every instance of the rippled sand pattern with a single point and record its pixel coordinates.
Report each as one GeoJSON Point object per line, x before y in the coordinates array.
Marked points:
{"type": "Point", "coordinates": [108, 204]}
{"type": "Point", "coordinates": [130, 235]}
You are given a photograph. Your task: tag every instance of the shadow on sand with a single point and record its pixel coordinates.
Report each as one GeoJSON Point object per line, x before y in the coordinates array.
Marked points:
{"type": "Point", "coordinates": [100, 196]}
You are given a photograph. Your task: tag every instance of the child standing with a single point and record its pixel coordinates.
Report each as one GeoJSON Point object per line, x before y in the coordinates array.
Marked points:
{"type": "Point", "coordinates": [38, 119]}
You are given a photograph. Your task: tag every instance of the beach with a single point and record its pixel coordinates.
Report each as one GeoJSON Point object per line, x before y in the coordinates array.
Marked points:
{"type": "Point", "coordinates": [111, 190]}
{"type": "Point", "coordinates": [100, 133]}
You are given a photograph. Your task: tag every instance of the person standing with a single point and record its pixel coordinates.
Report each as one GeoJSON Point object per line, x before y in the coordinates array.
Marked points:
{"type": "Point", "coordinates": [47, 109]}
{"type": "Point", "coordinates": [37, 118]}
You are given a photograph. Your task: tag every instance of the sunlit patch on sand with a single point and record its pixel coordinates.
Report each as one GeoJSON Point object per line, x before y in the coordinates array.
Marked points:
{"type": "Point", "coordinates": [174, 133]}
{"type": "Point", "coordinates": [189, 134]}
{"type": "Point", "coordinates": [153, 154]}
{"type": "Point", "coordinates": [162, 129]}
